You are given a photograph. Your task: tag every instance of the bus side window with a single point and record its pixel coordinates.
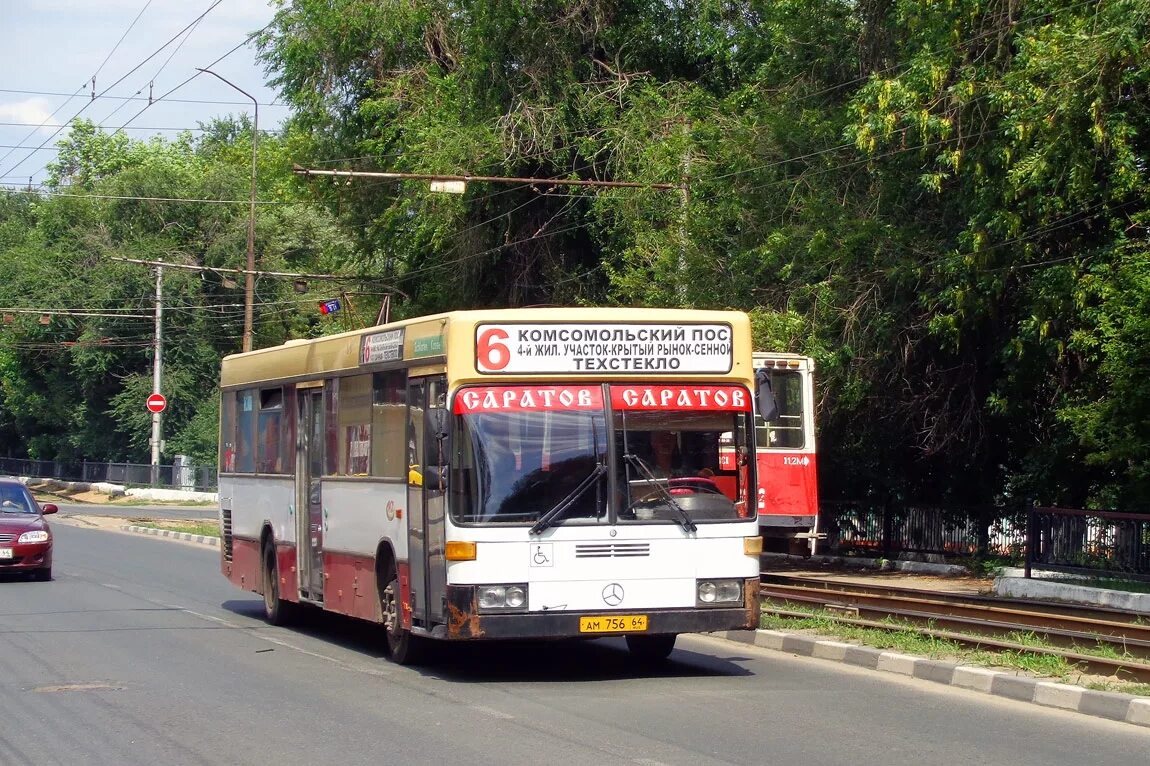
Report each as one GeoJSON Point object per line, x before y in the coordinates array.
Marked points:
{"type": "Point", "coordinates": [389, 424]}
{"type": "Point", "coordinates": [246, 431]}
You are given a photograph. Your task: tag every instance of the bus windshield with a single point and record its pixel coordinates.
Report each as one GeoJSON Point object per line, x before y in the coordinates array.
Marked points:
{"type": "Point", "coordinates": [678, 466]}
{"type": "Point", "coordinates": [516, 466]}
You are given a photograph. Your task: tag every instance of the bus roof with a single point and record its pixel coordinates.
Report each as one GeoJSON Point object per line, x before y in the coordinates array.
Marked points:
{"type": "Point", "coordinates": [429, 339]}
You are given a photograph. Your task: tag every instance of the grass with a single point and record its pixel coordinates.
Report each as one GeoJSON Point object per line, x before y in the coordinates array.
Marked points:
{"type": "Point", "coordinates": [1108, 583]}
{"type": "Point", "coordinates": [901, 638]}
{"type": "Point", "coordinates": [207, 528]}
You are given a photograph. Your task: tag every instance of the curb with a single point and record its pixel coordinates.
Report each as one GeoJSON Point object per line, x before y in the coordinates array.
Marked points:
{"type": "Point", "coordinates": [1013, 584]}
{"type": "Point", "coordinates": [885, 565]}
{"type": "Point", "coordinates": [1117, 707]}
{"type": "Point", "coordinates": [201, 539]}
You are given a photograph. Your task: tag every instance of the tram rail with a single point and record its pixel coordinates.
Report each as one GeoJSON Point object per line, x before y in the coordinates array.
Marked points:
{"type": "Point", "coordinates": [972, 620]}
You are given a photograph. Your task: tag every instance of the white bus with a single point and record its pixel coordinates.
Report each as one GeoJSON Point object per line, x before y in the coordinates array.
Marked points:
{"type": "Point", "coordinates": [519, 473]}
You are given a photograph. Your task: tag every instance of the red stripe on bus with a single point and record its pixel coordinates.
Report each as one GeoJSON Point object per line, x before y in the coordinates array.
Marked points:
{"type": "Point", "coordinates": [528, 399]}
{"type": "Point", "coordinates": [681, 397]}
{"type": "Point", "coordinates": [349, 586]}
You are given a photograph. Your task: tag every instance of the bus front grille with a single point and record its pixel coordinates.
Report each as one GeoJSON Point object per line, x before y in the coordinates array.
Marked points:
{"type": "Point", "coordinates": [611, 550]}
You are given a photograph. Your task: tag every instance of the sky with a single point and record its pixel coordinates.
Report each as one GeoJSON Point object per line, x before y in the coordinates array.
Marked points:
{"type": "Point", "coordinates": [52, 49]}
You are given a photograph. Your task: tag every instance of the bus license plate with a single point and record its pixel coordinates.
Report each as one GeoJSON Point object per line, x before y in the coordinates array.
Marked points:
{"type": "Point", "coordinates": [5, 553]}
{"type": "Point", "coordinates": [614, 623]}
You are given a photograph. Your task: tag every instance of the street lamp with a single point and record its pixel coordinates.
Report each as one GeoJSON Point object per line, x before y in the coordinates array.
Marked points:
{"type": "Point", "coordinates": [249, 276]}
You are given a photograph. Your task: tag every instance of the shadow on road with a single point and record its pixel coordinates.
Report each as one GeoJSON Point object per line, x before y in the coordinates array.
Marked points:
{"type": "Point", "coordinates": [563, 661]}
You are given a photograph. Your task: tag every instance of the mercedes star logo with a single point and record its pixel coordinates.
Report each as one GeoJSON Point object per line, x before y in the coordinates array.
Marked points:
{"type": "Point", "coordinates": [613, 594]}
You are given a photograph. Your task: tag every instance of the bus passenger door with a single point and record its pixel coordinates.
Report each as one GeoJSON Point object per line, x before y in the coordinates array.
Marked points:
{"type": "Point", "coordinates": [426, 508]}
{"type": "Point", "coordinates": [309, 499]}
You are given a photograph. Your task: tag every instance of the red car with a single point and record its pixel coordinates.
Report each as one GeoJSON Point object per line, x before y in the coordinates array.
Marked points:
{"type": "Point", "coordinates": [25, 539]}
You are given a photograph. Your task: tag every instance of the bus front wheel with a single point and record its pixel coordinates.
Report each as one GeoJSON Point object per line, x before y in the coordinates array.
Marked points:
{"type": "Point", "coordinates": [651, 648]}
{"type": "Point", "coordinates": [404, 648]}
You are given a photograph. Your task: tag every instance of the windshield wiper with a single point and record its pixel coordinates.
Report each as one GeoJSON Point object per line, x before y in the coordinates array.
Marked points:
{"type": "Point", "coordinates": [683, 519]}
{"type": "Point", "coordinates": [561, 507]}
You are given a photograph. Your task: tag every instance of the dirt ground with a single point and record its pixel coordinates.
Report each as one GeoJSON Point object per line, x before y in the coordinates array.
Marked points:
{"type": "Point", "coordinates": [47, 491]}
{"type": "Point", "coordinates": [93, 522]}
{"type": "Point", "coordinates": [916, 580]}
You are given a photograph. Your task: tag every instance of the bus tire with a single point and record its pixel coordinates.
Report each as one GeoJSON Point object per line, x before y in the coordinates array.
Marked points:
{"type": "Point", "coordinates": [651, 648]}
{"type": "Point", "coordinates": [402, 647]}
{"type": "Point", "coordinates": [276, 610]}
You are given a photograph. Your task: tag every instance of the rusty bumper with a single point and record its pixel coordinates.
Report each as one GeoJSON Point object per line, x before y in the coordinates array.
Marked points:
{"type": "Point", "coordinates": [465, 622]}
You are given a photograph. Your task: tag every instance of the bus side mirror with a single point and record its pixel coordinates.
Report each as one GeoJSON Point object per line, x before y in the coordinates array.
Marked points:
{"type": "Point", "coordinates": [765, 396]}
{"type": "Point", "coordinates": [438, 423]}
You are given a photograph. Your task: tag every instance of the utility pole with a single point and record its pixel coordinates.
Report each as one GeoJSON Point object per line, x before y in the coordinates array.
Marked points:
{"type": "Point", "coordinates": [249, 274]}
{"type": "Point", "coordinates": [157, 372]}
{"type": "Point", "coordinates": [681, 276]}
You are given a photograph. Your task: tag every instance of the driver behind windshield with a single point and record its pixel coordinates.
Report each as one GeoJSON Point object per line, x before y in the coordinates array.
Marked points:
{"type": "Point", "coordinates": [666, 457]}
{"type": "Point", "coordinates": [13, 501]}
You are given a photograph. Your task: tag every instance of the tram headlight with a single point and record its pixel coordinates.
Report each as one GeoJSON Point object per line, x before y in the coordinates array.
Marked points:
{"type": "Point", "coordinates": [719, 592]}
{"type": "Point", "coordinates": [501, 598]}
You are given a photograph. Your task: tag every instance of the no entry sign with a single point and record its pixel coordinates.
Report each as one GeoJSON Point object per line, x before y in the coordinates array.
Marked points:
{"type": "Point", "coordinates": [157, 403]}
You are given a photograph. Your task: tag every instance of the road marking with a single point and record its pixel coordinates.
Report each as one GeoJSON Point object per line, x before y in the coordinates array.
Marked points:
{"type": "Point", "coordinates": [493, 712]}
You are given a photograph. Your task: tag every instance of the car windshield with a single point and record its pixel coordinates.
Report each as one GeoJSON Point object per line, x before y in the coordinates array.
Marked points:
{"type": "Point", "coordinates": [15, 500]}
{"type": "Point", "coordinates": [548, 455]}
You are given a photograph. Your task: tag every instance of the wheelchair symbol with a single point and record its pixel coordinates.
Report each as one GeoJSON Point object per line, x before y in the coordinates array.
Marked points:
{"type": "Point", "coordinates": [541, 555]}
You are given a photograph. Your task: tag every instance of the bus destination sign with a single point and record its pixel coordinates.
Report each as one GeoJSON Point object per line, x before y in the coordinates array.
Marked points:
{"type": "Point", "coordinates": [603, 348]}
{"type": "Point", "coordinates": [382, 347]}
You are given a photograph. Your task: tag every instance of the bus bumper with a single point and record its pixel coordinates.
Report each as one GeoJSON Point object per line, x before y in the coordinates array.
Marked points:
{"type": "Point", "coordinates": [465, 622]}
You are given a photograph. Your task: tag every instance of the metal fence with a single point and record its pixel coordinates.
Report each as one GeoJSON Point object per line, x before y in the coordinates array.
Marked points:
{"type": "Point", "coordinates": [1057, 539]}
{"type": "Point", "coordinates": [179, 475]}
{"type": "Point", "coordinates": [877, 529]}
{"type": "Point", "coordinates": [1083, 541]}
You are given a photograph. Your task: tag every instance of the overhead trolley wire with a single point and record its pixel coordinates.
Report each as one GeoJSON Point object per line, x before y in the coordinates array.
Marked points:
{"type": "Point", "coordinates": [113, 85]}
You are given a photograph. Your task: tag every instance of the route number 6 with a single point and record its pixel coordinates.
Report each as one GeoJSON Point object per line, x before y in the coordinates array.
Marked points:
{"type": "Point", "coordinates": [493, 354]}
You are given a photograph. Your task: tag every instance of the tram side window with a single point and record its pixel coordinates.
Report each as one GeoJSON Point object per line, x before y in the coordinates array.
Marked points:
{"type": "Point", "coordinates": [355, 406]}
{"type": "Point", "coordinates": [388, 424]}
{"type": "Point", "coordinates": [227, 451]}
{"type": "Point", "coordinates": [246, 431]}
{"type": "Point", "coordinates": [785, 430]}
{"type": "Point", "coordinates": [270, 456]}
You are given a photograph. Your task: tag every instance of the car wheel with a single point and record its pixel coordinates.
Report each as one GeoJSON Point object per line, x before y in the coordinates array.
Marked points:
{"type": "Point", "coordinates": [648, 648]}
{"type": "Point", "coordinates": [402, 647]}
{"type": "Point", "coordinates": [43, 574]}
{"type": "Point", "coordinates": [276, 610]}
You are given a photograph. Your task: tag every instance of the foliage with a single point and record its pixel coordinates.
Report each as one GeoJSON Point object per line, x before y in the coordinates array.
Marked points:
{"type": "Point", "coordinates": [945, 204]}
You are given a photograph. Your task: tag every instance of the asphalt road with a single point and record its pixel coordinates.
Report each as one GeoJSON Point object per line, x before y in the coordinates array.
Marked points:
{"type": "Point", "coordinates": [141, 653]}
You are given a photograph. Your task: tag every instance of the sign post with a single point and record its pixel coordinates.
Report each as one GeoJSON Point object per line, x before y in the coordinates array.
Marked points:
{"type": "Point", "coordinates": [156, 402]}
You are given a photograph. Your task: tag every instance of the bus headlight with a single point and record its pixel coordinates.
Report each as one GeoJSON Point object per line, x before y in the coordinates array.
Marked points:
{"type": "Point", "coordinates": [501, 597]}
{"type": "Point", "coordinates": [716, 592]}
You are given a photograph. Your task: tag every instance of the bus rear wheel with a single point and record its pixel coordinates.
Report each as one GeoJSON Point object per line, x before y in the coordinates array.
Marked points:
{"type": "Point", "coordinates": [651, 648]}
{"type": "Point", "coordinates": [276, 610]}
{"type": "Point", "coordinates": [402, 646]}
